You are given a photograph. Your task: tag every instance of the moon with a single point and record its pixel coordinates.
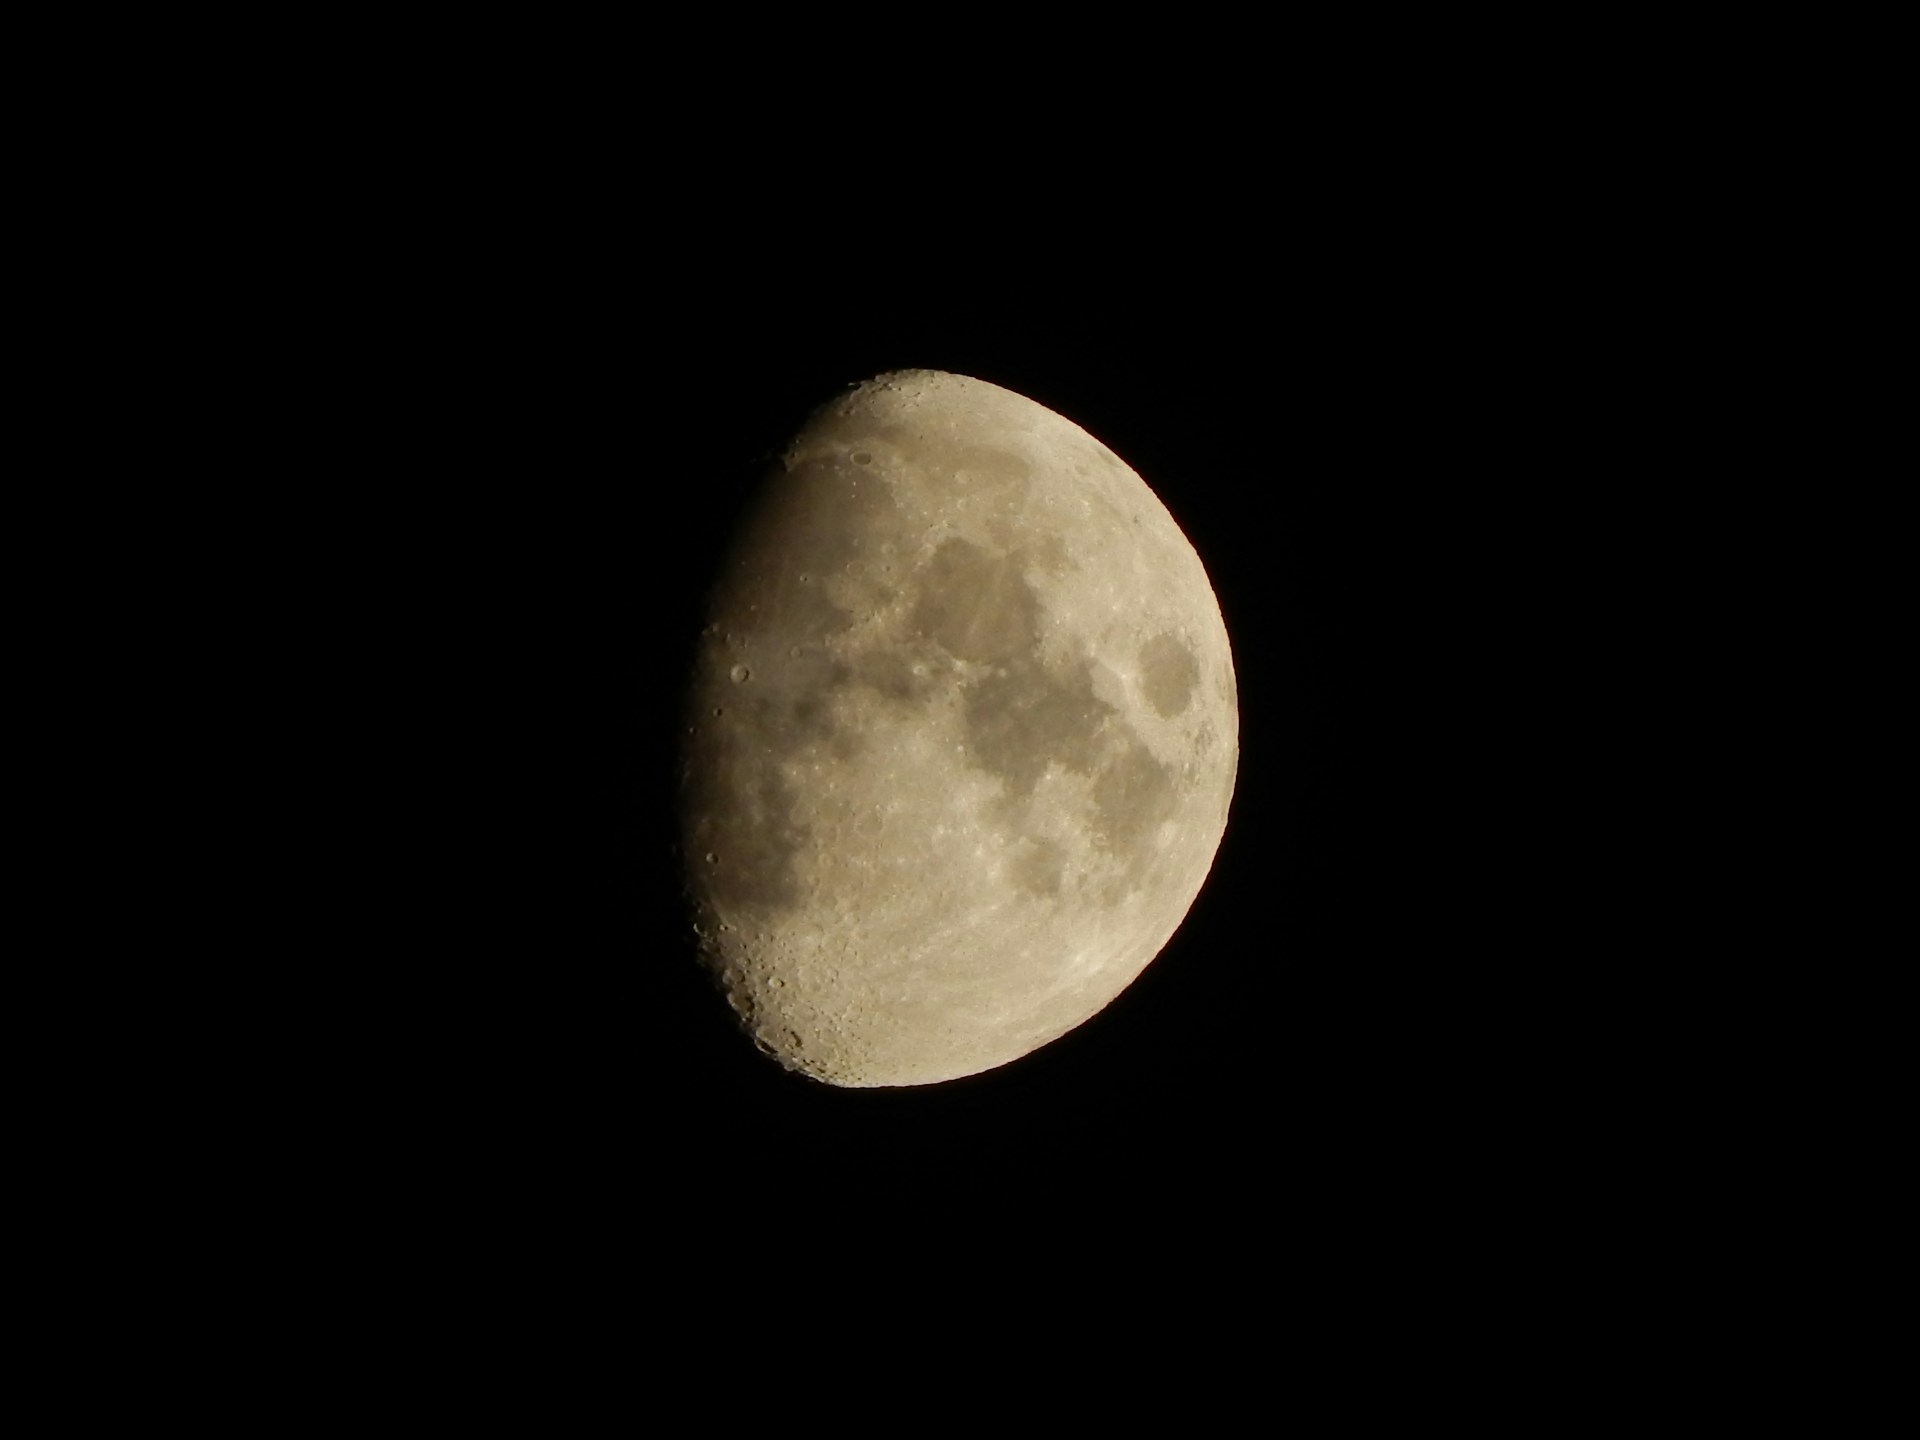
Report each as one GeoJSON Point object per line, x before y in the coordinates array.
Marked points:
{"type": "Point", "coordinates": [961, 740]}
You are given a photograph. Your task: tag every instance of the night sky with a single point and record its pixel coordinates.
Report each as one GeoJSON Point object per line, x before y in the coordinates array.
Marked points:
{"type": "Point", "coordinates": [1398, 963]}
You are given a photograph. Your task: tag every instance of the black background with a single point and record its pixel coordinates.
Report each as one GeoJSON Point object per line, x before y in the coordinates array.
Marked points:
{"type": "Point", "coordinates": [1397, 444]}
{"type": "Point", "coordinates": [1383, 975]}
{"type": "Point", "coordinates": [489, 378]}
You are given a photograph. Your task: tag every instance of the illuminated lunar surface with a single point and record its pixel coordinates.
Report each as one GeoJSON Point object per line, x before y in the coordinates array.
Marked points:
{"type": "Point", "coordinates": [962, 737]}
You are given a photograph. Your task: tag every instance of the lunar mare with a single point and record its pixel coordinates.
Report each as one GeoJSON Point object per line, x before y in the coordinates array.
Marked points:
{"type": "Point", "coordinates": [962, 737]}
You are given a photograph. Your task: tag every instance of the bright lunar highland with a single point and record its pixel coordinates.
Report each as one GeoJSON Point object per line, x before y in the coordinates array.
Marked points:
{"type": "Point", "coordinates": [961, 739]}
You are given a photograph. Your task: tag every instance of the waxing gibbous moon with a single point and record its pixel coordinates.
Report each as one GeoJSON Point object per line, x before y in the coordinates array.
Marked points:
{"type": "Point", "coordinates": [962, 736]}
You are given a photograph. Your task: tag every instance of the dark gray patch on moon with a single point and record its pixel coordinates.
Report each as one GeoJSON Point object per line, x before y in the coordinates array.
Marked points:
{"type": "Point", "coordinates": [807, 716]}
{"type": "Point", "coordinates": [894, 674]}
{"type": "Point", "coordinates": [1037, 870]}
{"type": "Point", "coordinates": [979, 606]}
{"type": "Point", "coordinates": [1167, 675]}
{"type": "Point", "coordinates": [1023, 717]}
{"type": "Point", "coordinates": [1020, 716]}
{"type": "Point", "coordinates": [1132, 796]}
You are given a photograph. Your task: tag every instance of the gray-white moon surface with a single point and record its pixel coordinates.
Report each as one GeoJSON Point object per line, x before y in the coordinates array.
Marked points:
{"type": "Point", "coordinates": [961, 741]}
